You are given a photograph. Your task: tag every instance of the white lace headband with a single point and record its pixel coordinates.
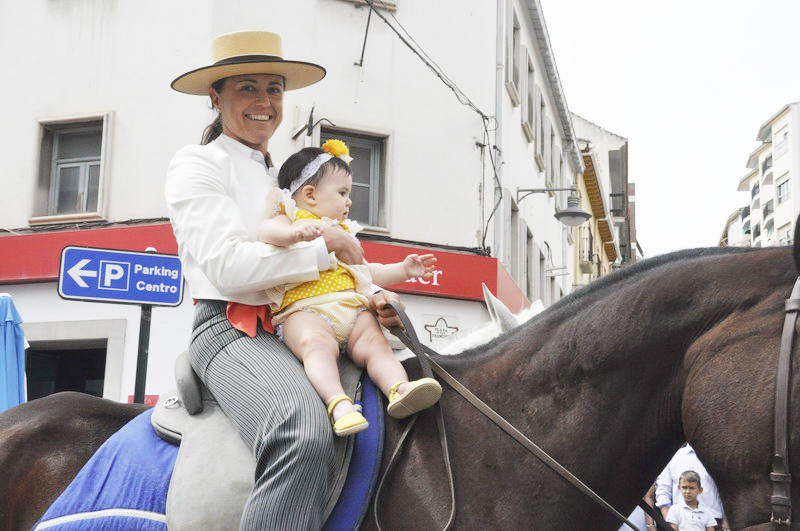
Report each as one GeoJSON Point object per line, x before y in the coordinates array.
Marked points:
{"type": "Point", "coordinates": [308, 171]}
{"type": "Point", "coordinates": [313, 167]}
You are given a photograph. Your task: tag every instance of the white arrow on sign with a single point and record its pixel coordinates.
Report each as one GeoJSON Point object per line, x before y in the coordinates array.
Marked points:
{"type": "Point", "coordinates": [76, 272]}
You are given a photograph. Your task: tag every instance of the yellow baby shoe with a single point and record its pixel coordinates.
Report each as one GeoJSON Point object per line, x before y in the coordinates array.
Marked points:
{"type": "Point", "coordinates": [348, 424]}
{"type": "Point", "coordinates": [419, 394]}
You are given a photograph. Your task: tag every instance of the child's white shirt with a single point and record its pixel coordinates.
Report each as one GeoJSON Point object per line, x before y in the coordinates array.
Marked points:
{"type": "Point", "coordinates": [688, 519]}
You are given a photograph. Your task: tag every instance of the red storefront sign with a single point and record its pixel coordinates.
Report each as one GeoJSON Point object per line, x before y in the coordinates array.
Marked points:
{"type": "Point", "coordinates": [35, 258]}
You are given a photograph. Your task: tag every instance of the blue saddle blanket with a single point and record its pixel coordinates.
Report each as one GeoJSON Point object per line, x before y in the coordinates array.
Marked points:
{"type": "Point", "coordinates": [124, 485]}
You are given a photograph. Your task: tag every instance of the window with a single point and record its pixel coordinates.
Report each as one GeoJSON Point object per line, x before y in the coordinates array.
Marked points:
{"type": "Point", "coordinates": [513, 57]}
{"type": "Point", "coordinates": [769, 227]}
{"type": "Point", "coordinates": [782, 142]}
{"type": "Point", "coordinates": [368, 182]}
{"type": "Point", "coordinates": [756, 231]}
{"type": "Point", "coordinates": [766, 164]}
{"type": "Point", "coordinates": [548, 153]}
{"type": "Point", "coordinates": [768, 209]}
{"type": "Point", "coordinates": [530, 266]}
{"type": "Point", "coordinates": [529, 102]}
{"type": "Point", "coordinates": [514, 243]}
{"type": "Point", "coordinates": [783, 191]}
{"type": "Point", "coordinates": [540, 129]}
{"type": "Point", "coordinates": [70, 169]}
{"type": "Point", "coordinates": [755, 190]}
{"type": "Point", "coordinates": [785, 235]}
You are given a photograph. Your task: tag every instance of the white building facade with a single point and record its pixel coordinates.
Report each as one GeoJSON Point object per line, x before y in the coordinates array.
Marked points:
{"type": "Point", "coordinates": [772, 183]}
{"type": "Point", "coordinates": [94, 124]}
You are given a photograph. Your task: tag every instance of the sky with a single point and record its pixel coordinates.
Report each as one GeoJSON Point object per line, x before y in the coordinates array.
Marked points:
{"type": "Point", "coordinates": [688, 83]}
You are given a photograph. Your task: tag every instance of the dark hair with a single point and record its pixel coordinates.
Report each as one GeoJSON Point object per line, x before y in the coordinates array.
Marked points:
{"type": "Point", "coordinates": [690, 476]}
{"type": "Point", "coordinates": [293, 167]}
{"type": "Point", "coordinates": [214, 129]}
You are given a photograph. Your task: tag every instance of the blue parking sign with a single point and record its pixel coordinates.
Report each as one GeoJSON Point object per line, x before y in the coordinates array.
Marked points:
{"type": "Point", "coordinates": [132, 277]}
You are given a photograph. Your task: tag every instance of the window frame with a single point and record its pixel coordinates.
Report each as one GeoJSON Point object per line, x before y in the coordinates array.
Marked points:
{"type": "Point", "coordinates": [50, 129]}
{"type": "Point", "coordinates": [539, 133]}
{"type": "Point", "coordinates": [528, 114]}
{"type": "Point", "coordinates": [373, 142]}
{"type": "Point", "coordinates": [83, 163]}
{"type": "Point", "coordinates": [513, 55]}
{"type": "Point", "coordinates": [785, 185]}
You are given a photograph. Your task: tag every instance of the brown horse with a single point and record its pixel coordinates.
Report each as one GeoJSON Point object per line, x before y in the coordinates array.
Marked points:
{"type": "Point", "coordinates": [609, 381]}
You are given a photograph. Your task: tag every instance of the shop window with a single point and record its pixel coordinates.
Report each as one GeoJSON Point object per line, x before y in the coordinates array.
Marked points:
{"type": "Point", "coordinates": [368, 164]}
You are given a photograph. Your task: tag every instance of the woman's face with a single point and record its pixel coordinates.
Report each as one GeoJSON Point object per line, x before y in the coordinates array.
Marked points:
{"type": "Point", "coordinates": [251, 107]}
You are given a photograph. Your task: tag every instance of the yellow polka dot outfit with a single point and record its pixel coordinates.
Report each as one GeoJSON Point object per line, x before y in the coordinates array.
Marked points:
{"type": "Point", "coordinates": [338, 279]}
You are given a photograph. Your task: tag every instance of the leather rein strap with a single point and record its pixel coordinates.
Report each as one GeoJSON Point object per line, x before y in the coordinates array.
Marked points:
{"type": "Point", "coordinates": [409, 338]}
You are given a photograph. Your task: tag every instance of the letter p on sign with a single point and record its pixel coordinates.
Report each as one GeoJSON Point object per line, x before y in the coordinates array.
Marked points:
{"type": "Point", "coordinates": [114, 275]}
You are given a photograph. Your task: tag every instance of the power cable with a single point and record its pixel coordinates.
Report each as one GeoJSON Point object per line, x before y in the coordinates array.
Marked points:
{"type": "Point", "coordinates": [460, 96]}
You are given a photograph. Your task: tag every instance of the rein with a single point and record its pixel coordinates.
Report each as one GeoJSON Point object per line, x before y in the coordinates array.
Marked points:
{"type": "Point", "coordinates": [409, 338]}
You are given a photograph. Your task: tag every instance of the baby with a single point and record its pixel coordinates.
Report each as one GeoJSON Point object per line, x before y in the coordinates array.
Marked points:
{"type": "Point", "coordinates": [318, 318]}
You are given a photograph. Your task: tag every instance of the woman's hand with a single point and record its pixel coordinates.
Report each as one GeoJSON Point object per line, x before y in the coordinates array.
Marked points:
{"type": "Point", "coordinates": [345, 246]}
{"type": "Point", "coordinates": [387, 317]}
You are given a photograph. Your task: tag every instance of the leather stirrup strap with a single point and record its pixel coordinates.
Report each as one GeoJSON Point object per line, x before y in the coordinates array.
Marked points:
{"type": "Point", "coordinates": [422, 352]}
{"type": "Point", "coordinates": [409, 338]}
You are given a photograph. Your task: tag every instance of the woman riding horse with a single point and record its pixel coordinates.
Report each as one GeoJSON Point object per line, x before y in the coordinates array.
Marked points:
{"type": "Point", "coordinates": [216, 196]}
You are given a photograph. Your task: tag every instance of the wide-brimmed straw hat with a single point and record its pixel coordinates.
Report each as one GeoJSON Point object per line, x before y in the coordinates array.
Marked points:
{"type": "Point", "coordinates": [248, 52]}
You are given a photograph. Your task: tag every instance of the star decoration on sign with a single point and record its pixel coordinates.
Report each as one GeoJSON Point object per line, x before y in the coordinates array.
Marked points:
{"type": "Point", "coordinates": [440, 329]}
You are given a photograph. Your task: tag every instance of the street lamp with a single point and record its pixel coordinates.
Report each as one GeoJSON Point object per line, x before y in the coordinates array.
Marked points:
{"type": "Point", "coordinates": [572, 216]}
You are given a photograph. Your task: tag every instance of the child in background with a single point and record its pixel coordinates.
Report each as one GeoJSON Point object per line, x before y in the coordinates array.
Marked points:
{"type": "Point", "coordinates": [689, 515]}
{"type": "Point", "coordinates": [317, 319]}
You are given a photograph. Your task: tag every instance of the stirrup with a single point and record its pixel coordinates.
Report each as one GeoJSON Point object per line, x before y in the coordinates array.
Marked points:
{"type": "Point", "coordinates": [348, 424]}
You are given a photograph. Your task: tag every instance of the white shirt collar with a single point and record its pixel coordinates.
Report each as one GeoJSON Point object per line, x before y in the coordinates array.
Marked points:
{"type": "Point", "coordinates": [684, 505]}
{"type": "Point", "coordinates": [247, 151]}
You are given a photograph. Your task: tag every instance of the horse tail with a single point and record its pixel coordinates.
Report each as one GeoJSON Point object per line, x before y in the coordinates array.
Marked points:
{"type": "Point", "coordinates": [796, 245]}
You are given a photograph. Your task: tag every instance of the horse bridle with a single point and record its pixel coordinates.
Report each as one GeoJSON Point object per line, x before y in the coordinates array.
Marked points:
{"type": "Point", "coordinates": [780, 476]}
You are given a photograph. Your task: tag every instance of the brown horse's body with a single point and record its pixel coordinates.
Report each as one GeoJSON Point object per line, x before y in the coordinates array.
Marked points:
{"type": "Point", "coordinates": [609, 381]}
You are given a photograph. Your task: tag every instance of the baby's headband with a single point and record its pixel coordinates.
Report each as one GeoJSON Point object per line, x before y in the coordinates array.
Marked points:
{"type": "Point", "coordinates": [332, 148]}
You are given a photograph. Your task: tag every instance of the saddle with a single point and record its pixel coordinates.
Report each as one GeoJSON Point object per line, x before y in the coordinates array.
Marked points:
{"type": "Point", "coordinates": [214, 471]}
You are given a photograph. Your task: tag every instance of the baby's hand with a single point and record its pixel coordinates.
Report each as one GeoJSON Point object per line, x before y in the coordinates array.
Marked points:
{"type": "Point", "coordinates": [419, 265]}
{"type": "Point", "coordinates": [306, 231]}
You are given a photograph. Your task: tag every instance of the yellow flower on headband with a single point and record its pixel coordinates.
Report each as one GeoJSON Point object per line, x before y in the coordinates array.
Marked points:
{"type": "Point", "coordinates": [337, 148]}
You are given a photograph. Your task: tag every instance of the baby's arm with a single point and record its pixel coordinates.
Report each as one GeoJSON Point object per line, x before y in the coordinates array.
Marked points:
{"type": "Point", "coordinates": [281, 232]}
{"type": "Point", "coordinates": [414, 265]}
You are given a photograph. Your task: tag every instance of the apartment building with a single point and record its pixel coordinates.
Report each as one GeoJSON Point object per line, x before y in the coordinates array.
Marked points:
{"type": "Point", "coordinates": [608, 239]}
{"type": "Point", "coordinates": [94, 125]}
{"type": "Point", "coordinates": [772, 184]}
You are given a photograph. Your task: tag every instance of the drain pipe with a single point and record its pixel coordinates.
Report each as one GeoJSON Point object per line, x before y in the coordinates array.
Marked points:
{"type": "Point", "coordinates": [499, 82]}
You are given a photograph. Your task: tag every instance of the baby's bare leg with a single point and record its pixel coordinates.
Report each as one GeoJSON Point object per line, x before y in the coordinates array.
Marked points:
{"type": "Point", "coordinates": [368, 348]}
{"type": "Point", "coordinates": [312, 340]}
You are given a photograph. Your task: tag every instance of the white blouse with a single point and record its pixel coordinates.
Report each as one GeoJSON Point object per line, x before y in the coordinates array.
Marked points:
{"type": "Point", "coordinates": [216, 198]}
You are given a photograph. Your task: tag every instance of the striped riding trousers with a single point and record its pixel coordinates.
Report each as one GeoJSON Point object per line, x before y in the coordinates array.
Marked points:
{"type": "Point", "coordinates": [263, 390]}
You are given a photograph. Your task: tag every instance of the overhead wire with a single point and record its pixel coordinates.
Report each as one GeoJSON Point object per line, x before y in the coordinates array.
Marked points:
{"type": "Point", "coordinates": [462, 98]}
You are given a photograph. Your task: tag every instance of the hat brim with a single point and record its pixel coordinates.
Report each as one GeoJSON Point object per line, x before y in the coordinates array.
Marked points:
{"type": "Point", "coordinates": [297, 74]}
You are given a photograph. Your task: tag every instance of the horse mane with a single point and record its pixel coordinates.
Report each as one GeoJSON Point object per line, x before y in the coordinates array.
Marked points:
{"type": "Point", "coordinates": [587, 293]}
